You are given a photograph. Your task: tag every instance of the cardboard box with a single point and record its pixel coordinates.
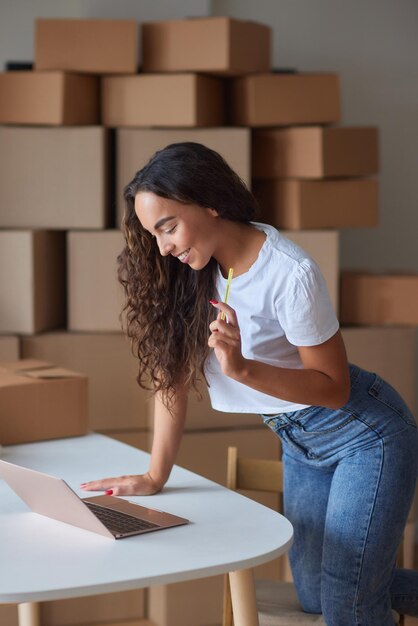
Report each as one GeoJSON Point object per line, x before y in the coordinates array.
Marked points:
{"type": "Point", "coordinates": [48, 98]}
{"type": "Point", "coordinates": [371, 299]}
{"type": "Point", "coordinates": [201, 415]}
{"type": "Point", "coordinates": [162, 100]}
{"type": "Point", "coordinates": [298, 204]}
{"type": "Point", "coordinates": [324, 248]}
{"type": "Point", "coordinates": [134, 148]}
{"type": "Point", "coordinates": [32, 281]}
{"type": "Point", "coordinates": [115, 400]}
{"type": "Point", "coordinates": [66, 171]}
{"type": "Point", "coordinates": [315, 152]}
{"type": "Point", "coordinates": [136, 438]}
{"type": "Point", "coordinates": [95, 297]}
{"type": "Point", "coordinates": [110, 609]}
{"type": "Point", "coordinates": [9, 348]}
{"type": "Point", "coordinates": [214, 45]}
{"type": "Point", "coordinates": [206, 452]}
{"type": "Point", "coordinates": [8, 615]}
{"type": "Point", "coordinates": [39, 401]}
{"type": "Point", "coordinates": [199, 602]}
{"type": "Point", "coordinates": [390, 352]}
{"type": "Point", "coordinates": [284, 99]}
{"type": "Point", "coordinates": [193, 603]}
{"type": "Point", "coordinates": [117, 405]}
{"type": "Point", "coordinates": [95, 46]}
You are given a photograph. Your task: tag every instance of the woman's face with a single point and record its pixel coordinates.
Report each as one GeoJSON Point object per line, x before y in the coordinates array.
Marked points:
{"type": "Point", "coordinates": [187, 231]}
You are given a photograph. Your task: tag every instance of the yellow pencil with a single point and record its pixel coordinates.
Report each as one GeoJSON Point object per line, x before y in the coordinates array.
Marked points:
{"type": "Point", "coordinates": [228, 287]}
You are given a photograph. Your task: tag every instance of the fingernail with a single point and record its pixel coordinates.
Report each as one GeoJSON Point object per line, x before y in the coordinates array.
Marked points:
{"type": "Point", "coordinates": [213, 301]}
{"type": "Point", "coordinates": [109, 492]}
{"type": "Point", "coordinates": [83, 484]}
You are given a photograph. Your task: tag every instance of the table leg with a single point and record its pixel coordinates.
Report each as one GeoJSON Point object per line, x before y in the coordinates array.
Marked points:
{"type": "Point", "coordinates": [29, 614]}
{"type": "Point", "coordinates": [244, 604]}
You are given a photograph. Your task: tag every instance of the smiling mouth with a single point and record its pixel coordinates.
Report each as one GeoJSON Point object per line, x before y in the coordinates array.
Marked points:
{"type": "Point", "coordinates": [183, 255]}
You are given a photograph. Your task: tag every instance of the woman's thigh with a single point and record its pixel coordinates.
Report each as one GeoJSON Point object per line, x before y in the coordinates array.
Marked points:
{"type": "Point", "coordinates": [306, 493]}
{"type": "Point", "coordinates": [348, 521]}
{"type": "Point", "coordinates": [350, 478]}
{"type": "Point", "coordinates": [369, 501]}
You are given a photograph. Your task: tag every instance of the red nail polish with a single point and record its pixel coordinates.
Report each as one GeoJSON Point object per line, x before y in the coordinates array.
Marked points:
{"type": "Point", "coordinates": [213, 301]}
{"type": "Point", "coordinates": [109, 492]}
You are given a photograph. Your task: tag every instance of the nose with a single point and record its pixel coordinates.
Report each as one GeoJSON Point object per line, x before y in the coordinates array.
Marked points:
{"type": "Point", "coordinates": [164, 247]}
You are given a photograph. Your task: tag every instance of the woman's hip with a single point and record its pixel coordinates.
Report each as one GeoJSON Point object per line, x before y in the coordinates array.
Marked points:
{"type": "Point", "coordinates": [374, 415]}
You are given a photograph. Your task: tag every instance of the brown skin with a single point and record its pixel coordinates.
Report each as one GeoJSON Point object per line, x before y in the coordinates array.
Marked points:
{"type": "Point", "coordinates": [323, 381]}
{"type": "Point", "coordinates": [168, 429]}
{"type": "Point", "coordinates": [201, 230]}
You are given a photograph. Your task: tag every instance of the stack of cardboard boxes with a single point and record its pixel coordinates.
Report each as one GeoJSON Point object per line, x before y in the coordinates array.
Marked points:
{"type": "Point", "coordinates": [74, 132]}
{"type": "Point", "coordinates": [56, 178]}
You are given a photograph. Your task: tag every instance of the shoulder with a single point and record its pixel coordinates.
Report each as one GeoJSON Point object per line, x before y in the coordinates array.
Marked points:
{"type": "Point", "coordinates": [281, 252]}
{"type": "Point", "coordinates": [289, 271]}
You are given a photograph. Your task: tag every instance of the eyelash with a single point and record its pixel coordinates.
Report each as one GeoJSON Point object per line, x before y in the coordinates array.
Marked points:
{"type": "Point", "coordinates": [171, 230]}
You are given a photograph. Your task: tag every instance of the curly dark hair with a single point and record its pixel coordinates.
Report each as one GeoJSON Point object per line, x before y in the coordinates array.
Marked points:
{"type": "Point", "coordinates": [167, 311]}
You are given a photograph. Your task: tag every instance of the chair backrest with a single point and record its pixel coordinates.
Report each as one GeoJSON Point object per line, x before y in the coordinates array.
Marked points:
{"type": "Point", "coordinates": [259, 475]}
{"type": "Point", "coordinates": [253, 474]}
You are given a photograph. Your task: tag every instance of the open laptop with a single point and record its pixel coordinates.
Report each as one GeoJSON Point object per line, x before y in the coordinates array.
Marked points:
{"type": "Point", "coordinates": [109, 516]}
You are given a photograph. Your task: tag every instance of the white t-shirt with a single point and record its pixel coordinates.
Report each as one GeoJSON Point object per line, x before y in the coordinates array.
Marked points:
{"type": "Point", "coordinates": [281, 302]}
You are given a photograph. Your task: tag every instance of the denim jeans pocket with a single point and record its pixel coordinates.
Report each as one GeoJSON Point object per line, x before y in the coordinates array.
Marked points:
{"type": "Point", "coordinates": [384, 393]}
{"type": "Point", "coordinates": [322, 421]}
{"type": "Point", "coordinates": [323, 433]}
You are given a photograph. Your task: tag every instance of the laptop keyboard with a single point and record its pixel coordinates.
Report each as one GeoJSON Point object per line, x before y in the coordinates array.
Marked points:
{"type": "Point", "coordinates": [119, 522]}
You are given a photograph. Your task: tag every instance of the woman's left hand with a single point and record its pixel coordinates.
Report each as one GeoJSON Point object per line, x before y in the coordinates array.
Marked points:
{"type": "Point", "coordinates": [225, 339]}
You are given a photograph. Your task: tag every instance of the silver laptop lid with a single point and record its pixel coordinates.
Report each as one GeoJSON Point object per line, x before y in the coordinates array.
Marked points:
{"type": "Point", "coordinates": [54, 498]}
{"type": "Point", "coordinates": [51, 496]}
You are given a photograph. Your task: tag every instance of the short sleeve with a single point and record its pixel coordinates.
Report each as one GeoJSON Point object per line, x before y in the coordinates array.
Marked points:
{"type": "Point", "coordinates": [305, 311]}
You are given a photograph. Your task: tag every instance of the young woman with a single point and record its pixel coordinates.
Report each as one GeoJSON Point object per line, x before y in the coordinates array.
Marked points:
{"type": "Point", "coordinates": [350, 446]}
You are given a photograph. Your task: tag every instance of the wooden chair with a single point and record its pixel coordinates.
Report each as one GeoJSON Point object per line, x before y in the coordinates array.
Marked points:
{"type": "Point", "coordinates": [277, 602]}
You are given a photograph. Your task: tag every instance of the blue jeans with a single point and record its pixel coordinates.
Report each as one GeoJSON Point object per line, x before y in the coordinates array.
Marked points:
{"type": "Point", "coordinates": [349, 481]}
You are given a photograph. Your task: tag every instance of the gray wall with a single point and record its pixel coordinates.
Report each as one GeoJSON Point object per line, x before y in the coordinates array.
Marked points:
{"type": "Point", "coordinates": [373, 45]}
{"type": "Point", "coordinates": [17, 17]}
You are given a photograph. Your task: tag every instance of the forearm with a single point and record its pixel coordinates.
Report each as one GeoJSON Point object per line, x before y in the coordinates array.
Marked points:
{"type": "Point", "coordinates": [168, 430]}
{"type": "Point", "coordinates": [302, 386]}
{"type": "Point", "coordinates": [324, 379]}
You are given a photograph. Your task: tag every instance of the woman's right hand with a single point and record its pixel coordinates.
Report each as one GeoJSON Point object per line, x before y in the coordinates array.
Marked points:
{"type": "Point", "coordinates": [137, 485]}
{"type": "Point", "coordinates": [168, 428]}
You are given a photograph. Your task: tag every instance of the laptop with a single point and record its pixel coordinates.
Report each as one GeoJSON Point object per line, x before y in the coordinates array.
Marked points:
{"type": "Point", "coordinates": [109, 516]}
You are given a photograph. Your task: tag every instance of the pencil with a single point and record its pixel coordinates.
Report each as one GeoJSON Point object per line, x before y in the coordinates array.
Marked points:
{"type": "Point", "coordinates": [228, 287]}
